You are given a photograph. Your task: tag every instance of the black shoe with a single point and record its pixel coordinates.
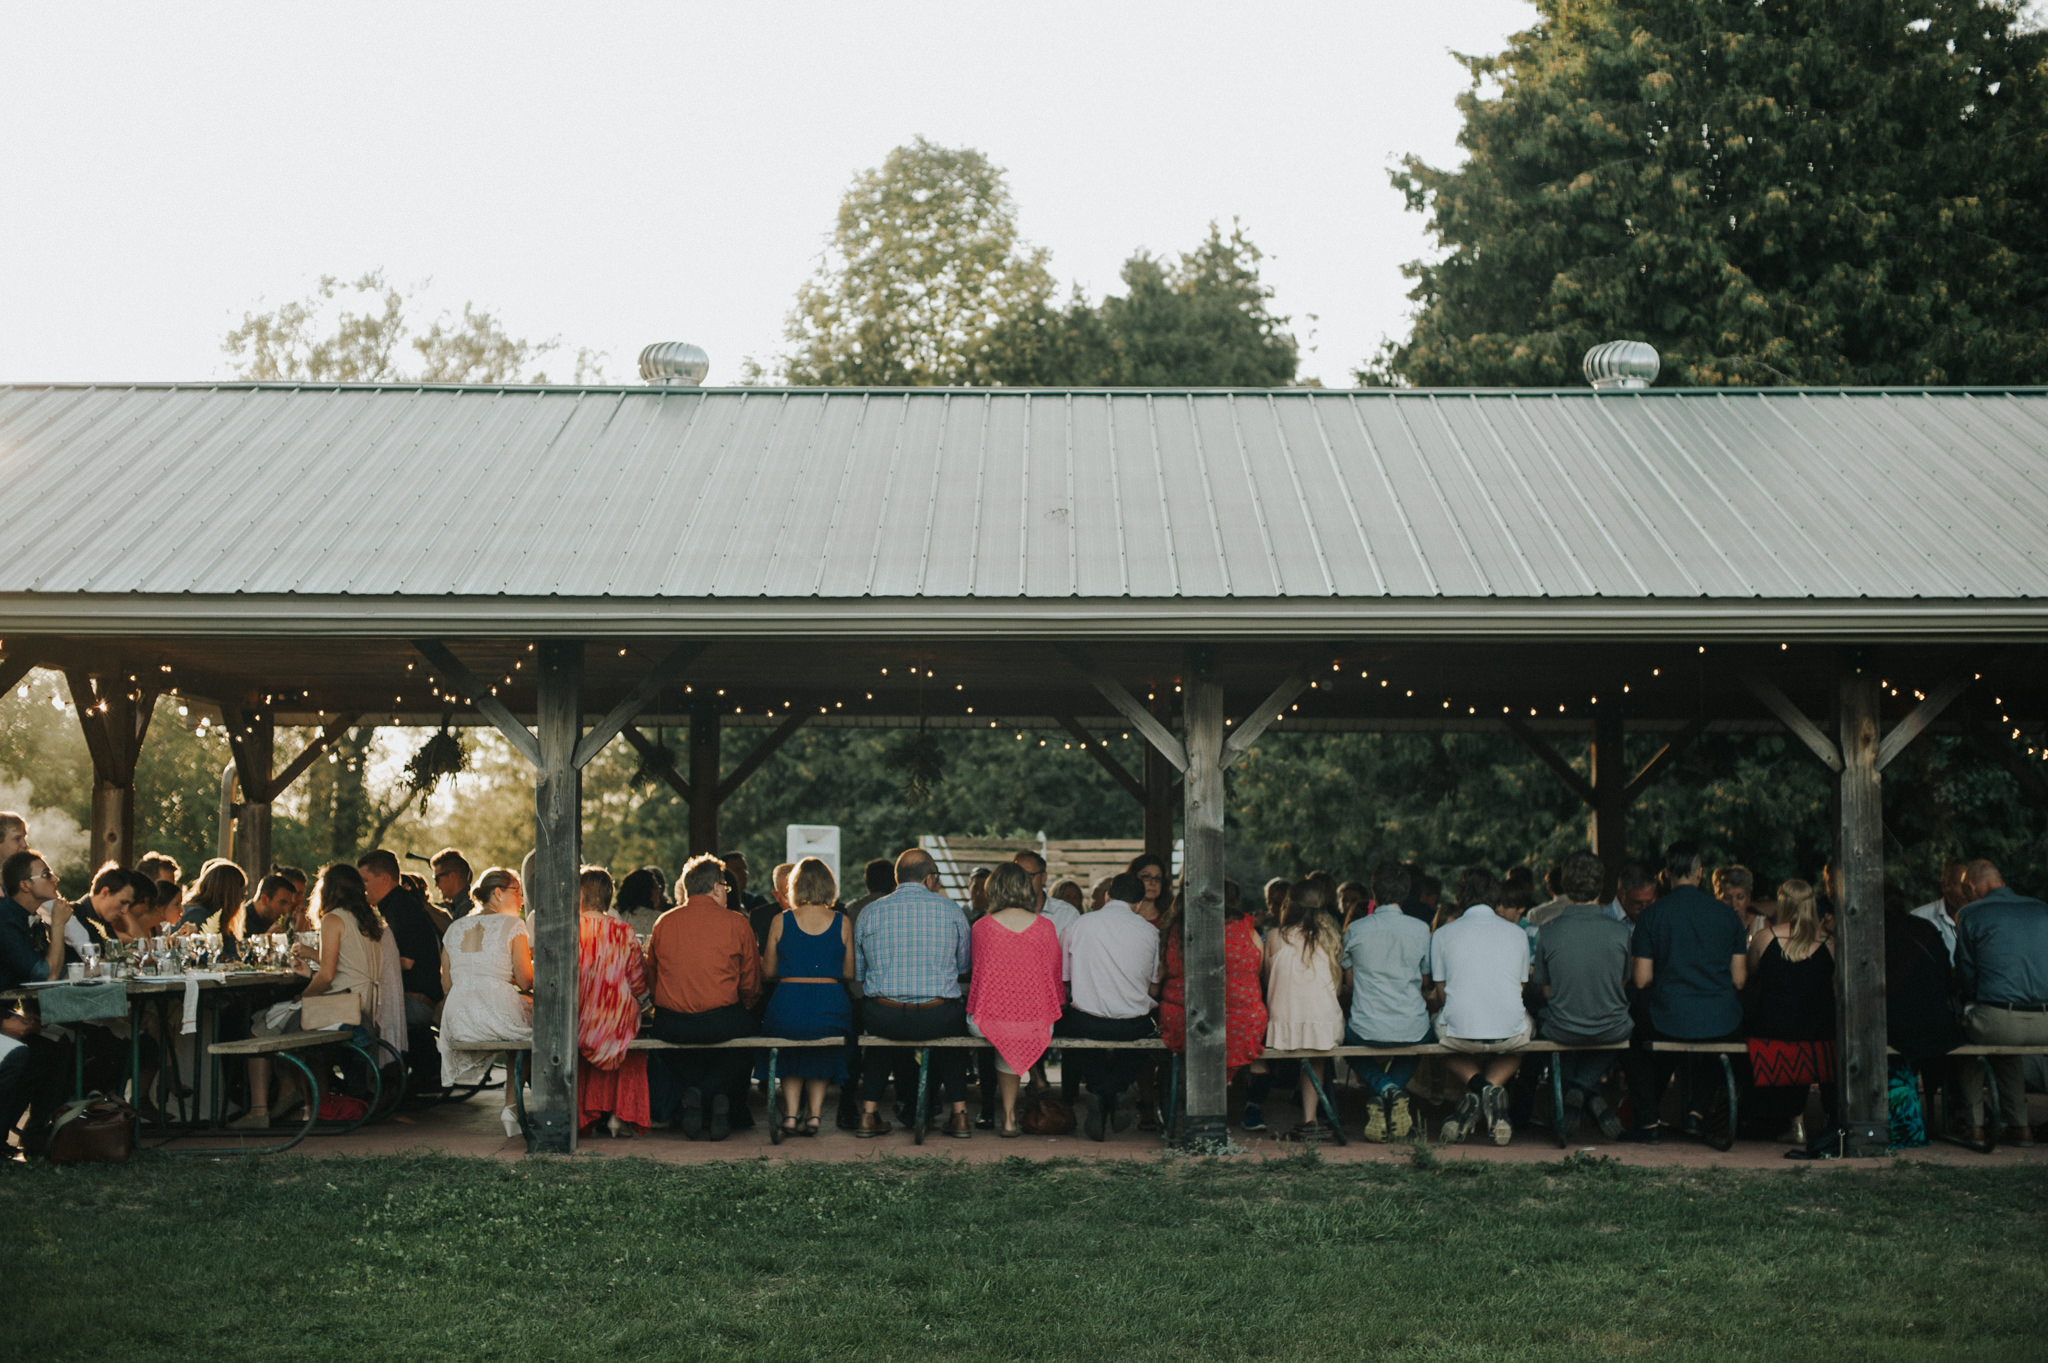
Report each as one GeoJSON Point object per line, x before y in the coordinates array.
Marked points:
{"type": "Point", "coordinates": [693, 1114]}
{"type": "Point", "coordinates": [1644, 1135]}
{"type": "Point", "coordinates": [1462, 1120]}
{"type": "Point", "coordinates": [721, 1117]}
{"type": "Point", "coordinates": [985, 1122]}
{"type": "Point", "coordinates": [1719, 1136]}
{"type": "Point", "coordinates": [1122, 1112]}
{"type": "Point", "coordinates": [848, 1119]}
{"type": "Point", "coordinates": [1568, 1116]}
{"type": "Point", "coordinates": [1092, 1123]}
{"type": "Point", "coordinates": [1610, 1125]}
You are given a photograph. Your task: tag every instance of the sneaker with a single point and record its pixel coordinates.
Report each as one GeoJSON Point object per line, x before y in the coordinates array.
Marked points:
{"type": "Point", "coordinates": [1376, 1119]}
{"type": "Point", "coordinates": [1400, 1118]}
{"type": "Point", "coordinates": [720, 1125]}
{"type": "Point", "coordinates": [1254, 1117]}
{"type": "Point", "coordinates": [1493, 1114]}
{"type": "Point", "coordinates": [1568, 1116]}
{"type": "Point", "coordinates": [1461, 1120]}
{"type": "Point", "coordinates": [1610, 1125]}
{"type": "Point", "coordinates": [1092, 1123]}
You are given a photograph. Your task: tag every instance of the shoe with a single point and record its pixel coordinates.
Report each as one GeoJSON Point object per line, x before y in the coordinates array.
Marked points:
{"type": "Point", "coordinates": [1148, 1117]}
{"type": "Point", "coordinates": [2018, 1137]}
{"type": "Point", "coordinates": [1691, 1125]}
{"type": "Point", "coordinates": [986, 1121]}
{"type": "Point", "coordinates": [1092, 1122]}
{"type": "Point", "coordinates": [848, 1118]}
{"type": "Point", "coordinates": [870, 1126]}
{"type": "Point", "coordinates": [511, 1121]}
{"type": "Point", "coordinates": [1121, 1113]}
{"type": "Point", "coordinates": [1400, 1118]}
{"type": "Point", "coordinates": [1719, 1136]}
{"type": "Point", "coordinates": [692, 1120]}
{"type": "Point", "coordinates": [1610, 1125]}
{"type": "Point", "coordinates": [720, 1125]}
{"type": "Point", "coordinates": [1010, 1132]}
{"type": "Point", "coordinates": [1376, 1119]}
{"type": "Point", "coordinates": [251, 1121]}
{"type": "Point", "coordinates": [621, 1131]}
{"type": "Point", "coordinates": [960, 1127]}
{"type": "Point", "coordinates": [741, 1117]}
{"type": "Point", "coordinates": [1308, 1131]}
{"type": "Point", "coordinates": [1644, 1135]}
{"type": "Point", "coordinates": [792, 1125]}
{"type": "Point", "coordinates": [1254, 1117]}
{"type": "Point", "coordinates": [1974, 1138]}
{"type": "Point", "coordinates": [1462, 1119]}
{"type": "Point", "coordinates": [813, 1122]}
{"type": "Point", "coordinates": [1493, 1114]}
{"type": "Point", "coordinates": [1568, 1116]}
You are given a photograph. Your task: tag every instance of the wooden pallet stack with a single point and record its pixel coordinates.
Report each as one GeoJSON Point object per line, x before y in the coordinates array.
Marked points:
{"type": "Point", "coordinates": [1083, 859]}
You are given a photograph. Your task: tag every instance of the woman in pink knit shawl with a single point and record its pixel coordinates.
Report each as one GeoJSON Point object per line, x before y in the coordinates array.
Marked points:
{"type": "Point", "coordinates": [1013, 993]}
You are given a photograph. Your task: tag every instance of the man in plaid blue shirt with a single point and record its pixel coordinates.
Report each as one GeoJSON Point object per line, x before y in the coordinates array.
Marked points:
{"type": "Point", "coordinates": [910, 948]}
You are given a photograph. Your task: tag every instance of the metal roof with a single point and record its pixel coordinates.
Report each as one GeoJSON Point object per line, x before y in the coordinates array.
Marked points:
{"type": "Point", "coordinates": [1281, 498]}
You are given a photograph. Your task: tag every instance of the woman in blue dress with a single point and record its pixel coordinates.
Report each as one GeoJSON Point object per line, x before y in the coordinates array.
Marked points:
{"type": "Point", "coordinates": [810, 957]}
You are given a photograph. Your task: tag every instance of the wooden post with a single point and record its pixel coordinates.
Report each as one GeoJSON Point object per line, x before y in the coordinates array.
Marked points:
{"type": "Point", "coordinates": [1859, 918]}
{"type": "Point", "coordinates": [1159, 778]}
{"type": "Point", "coordinates": [558, 858]}
{"type": "Point", "coordinates": [704, 778]}
{"type": "Point", "coordinates": [114, 716]}
{"type": "Point", "coordinates": [255, 752]}
{"type": "Point", "coordinates": [1208, 1073]}
{"type": "Point", "coordinates": [1610, 791]}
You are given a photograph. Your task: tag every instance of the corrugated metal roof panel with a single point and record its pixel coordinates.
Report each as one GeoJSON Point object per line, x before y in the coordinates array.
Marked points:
{"type": "Point", "coordinates": [1010, 494]}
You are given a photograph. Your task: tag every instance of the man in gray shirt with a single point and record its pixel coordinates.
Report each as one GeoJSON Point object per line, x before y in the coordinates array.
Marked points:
{"type": "Point", "coordinates": [2002, 973]}
{"type": "Point", "coordinates": [1581, 972]}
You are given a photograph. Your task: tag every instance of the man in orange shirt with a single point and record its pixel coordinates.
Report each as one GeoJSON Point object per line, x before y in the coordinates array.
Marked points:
{"type": "Point", "coordinates": [705, 971]}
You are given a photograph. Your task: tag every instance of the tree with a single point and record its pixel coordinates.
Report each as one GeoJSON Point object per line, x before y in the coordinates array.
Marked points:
{"type": "Point", "coordinates": [1785, 192]}
{"type": "Point", "coordinates": [925, 264]}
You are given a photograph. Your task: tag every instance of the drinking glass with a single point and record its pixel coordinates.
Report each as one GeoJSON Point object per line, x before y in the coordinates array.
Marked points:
{"type": "Point", "coordinates": [90, 954]}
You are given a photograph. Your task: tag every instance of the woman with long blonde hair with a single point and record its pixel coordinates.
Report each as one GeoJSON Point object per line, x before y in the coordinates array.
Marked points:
{"type": "Point", "coordinates": [1304, 968]}
{"type": "Point", "coordinates": [1792, 1010]}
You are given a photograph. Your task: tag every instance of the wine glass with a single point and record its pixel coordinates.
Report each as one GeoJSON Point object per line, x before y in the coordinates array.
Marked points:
{"type": "Point", "coordinates": [90, 954]}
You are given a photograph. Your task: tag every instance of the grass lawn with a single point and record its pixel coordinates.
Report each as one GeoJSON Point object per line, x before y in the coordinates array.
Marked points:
{"type": "Point", "coordinates": [435, 1257]}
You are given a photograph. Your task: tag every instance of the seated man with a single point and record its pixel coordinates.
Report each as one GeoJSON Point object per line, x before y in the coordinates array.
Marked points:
{"type": "Point", "coordinates": [2002, 973]}
{"type": "Point", "coordinates": [1384, 955]}
{"type": "Point", "coordinates": [704, 971]}
{"type": "Point", "coordinates": [452, 879]}
{"type": "Point", "coordinates": [1478, 962]}
{"type": "Point", "coordinates": [1581, 970]}
{"type": "Point", "coordinates": [39, 1077]}
{"type": "Point", "coordinates": [910, 950]}
{"type": "Point", "coordinates": [275, 906]}
{"type": "Point", "coordinates": [104, 914]}
{"type": "Point", "coordinates": [1690, 960]}
{"type": "Point", "coordinates": [413, 930]}
{"type": "Point", "coordinates": [1110, 960]}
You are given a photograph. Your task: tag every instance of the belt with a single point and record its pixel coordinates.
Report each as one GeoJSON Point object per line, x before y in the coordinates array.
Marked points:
{"type": "Point", "coordinates": [898, 1003]}
{"type": "Point", "coordinates": [808, 979]}
{"type": "Point", "coordinates": [2020, 1007]}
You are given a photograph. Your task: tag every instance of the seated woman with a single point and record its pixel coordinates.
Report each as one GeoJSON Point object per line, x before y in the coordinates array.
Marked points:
{"type": "Point", "coordinates": [810, 956]}
{"type": "Point", "coordinates": [642, 899]}
{"type": "Point", "coordinates": [1304, 964]}
{"type": "Point", "coordinates": [611, 982]}
{"type": "Point", "coordinates": [487, 971]}
{"type": "Point", "coordinates": [1792, 1005]}
{"type": "Point", "coordinates": [356, 956]}
{"type": "Point", "coordinates": [1244, 1000]}
{"type": "Point", "coordinates": [215, 905]}
{"type": "Point", "coordinates": [1014, 993]}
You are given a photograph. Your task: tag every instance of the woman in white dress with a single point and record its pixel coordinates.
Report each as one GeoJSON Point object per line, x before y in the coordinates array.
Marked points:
{"type": "Point", "coordinates": [1304, 967]}
{"type": "Point", "coordinates": [487, 970]}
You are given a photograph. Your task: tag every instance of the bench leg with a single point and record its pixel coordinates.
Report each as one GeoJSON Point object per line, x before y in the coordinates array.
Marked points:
{"type": "Point", "coordinates": [924, 1070]}
{"type": "Point", "coordinates": [1564, 1137]}
{"type": "Point", "coordinates": [305, 1128]}
{"type": "Point", "coordinates": [1169, 1120]}
{"type": "Point", "coordinates": [1992, 1111]}
{"type": "Point", "coordinates": [774, 1108]}
{"type": "Point", "coordinates": [1734, 1103]}
{"type": "Point", "coordinates": [515, 1075]}
{"type": "Point", "coordinates": [1336, 1123]}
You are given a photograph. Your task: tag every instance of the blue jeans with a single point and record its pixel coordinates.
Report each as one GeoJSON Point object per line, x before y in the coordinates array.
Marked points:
{"type": "Point", "coordinates": [1386, 1077]}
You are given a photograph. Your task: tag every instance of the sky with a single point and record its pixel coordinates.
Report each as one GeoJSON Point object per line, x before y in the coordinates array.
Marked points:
{"type": "Point", "coordinates": [617, 174]}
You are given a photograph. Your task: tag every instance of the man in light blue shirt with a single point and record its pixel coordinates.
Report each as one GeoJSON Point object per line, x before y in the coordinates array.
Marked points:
{"type": "Point", "coordinates": [910, 950]}
{"type": "Point", "coordinates": [1384, 953]}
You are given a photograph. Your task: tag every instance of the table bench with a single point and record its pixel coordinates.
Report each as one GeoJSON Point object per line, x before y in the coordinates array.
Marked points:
{"type": "Point", "coordinates": [286, 1047]}
{"type": "Point", "coordinates": [975, 1043]}
{"type": "Point", "coordinates": [774, 1045]}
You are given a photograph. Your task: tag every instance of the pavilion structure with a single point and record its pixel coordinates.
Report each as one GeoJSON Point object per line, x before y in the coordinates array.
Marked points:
{"type": "Point", "coordinates": [1161, 576]}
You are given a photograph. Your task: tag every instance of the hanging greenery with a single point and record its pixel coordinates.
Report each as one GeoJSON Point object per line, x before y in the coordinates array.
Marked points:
{"type": "Point", "coordinates": [442, 756]}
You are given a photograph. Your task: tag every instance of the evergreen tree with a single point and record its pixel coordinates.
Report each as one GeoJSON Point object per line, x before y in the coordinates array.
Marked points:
{"type": "Point", "coordinates": [1778, 192]}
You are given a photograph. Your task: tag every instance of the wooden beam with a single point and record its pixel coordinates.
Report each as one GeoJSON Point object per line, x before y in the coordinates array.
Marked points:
{"type": "Point", "coordinates": [1534, 742]}
{"type": "Point", "coordinates": [656, 759]}
{"type": "Point", "coordinates": [1127, 705]}
{"type": "Point", "coordinates": [1247, 733]}
{"type": "Point", "coordinates": [763, 750]}
{"type": "Point", "coordinates": [638, 699]}
{"type": "Point", "coordinates": [1654, 768]}
{"type": "Point", "coordinates": [704, 764]}
{"type": "Point", "coordinates": [85, 700]}
{"type": "Point", "coordinates": [320, 743]}
{"type": "Point", "coordinates": [1098, 750]}
{"type": "Point", "coordinates": [1793, 718]}
{"type": "Point", "coordinates": [1859, 921]}
{"type": "Point", "coordinates": [479, 696]}
{"type": "Point", "coordinates": [1202, 873]}
{"type": "Point", "coordinates": [1610, 788]}
{"type": "Point", "coordinates": [557, 861]}
{"type": "Point", "coordinates": [17, 664]}
{"type": "Point", "coordinates": [1925, 713]}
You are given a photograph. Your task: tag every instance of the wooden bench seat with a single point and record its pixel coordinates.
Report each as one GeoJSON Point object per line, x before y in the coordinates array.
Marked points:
{"type": "Point", "coordinates": [648, 1043]}
{"type": "Point", "coordinates": [272, 1045]}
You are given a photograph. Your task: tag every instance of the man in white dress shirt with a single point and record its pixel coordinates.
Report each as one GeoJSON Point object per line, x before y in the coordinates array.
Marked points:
{"type": "Point", "coordinates": [1944, 911]}
{"type": "Point", "coordinates": [1110, 960]}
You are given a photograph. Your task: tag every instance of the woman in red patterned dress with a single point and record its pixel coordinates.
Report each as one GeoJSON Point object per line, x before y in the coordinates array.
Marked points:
{"type": "Point", "coordinates": [1244, 998]}
{"type": "Point", "coordinates": [611, 1081]}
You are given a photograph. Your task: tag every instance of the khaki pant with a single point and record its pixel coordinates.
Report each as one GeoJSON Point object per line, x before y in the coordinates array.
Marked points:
{"type": "Point", "coordinates": [1987, 1024]}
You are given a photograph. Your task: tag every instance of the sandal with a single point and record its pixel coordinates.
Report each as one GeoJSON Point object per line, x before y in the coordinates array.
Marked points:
{"type": "Point", "coordinates": [1010, 1132]}
{"type": "Point", "coordinates": [792, 1125]}
{"type": "Point", "coordinates": [812, 1123]}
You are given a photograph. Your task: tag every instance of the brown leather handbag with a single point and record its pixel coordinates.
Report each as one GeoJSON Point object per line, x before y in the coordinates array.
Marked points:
{"type": "Point", "coordinates": [95, 1129]}
{"type": "Point", "coordinates": [1046, 1114]}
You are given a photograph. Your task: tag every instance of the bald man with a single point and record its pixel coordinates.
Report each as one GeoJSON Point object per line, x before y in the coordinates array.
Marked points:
{"type": "Point", "coordinates": [2002, 971]}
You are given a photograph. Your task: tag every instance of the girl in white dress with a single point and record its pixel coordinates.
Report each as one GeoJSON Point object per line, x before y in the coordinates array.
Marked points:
{"type": "Point", "coordinates": [487, 970]}
{"type": "Point", "coordinates": [1304, 967]}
